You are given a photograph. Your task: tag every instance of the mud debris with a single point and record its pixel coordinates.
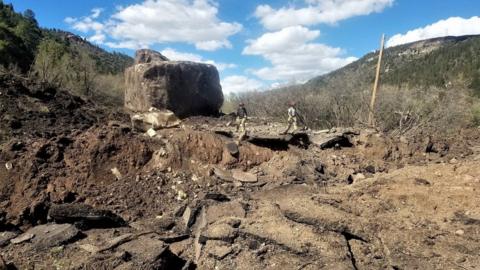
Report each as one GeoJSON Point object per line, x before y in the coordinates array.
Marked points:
{"type": "Point", "coordinates": [190, 198]}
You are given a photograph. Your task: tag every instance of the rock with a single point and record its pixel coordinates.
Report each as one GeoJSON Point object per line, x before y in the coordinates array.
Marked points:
{"type": "Point", "coordinates": [173, 238]}
{"type": "Point", "coordinates": [370, 169]}
{"type": "Point", "coordinates": [323, 131]}
{"type": "Point", "coordinates": [453, 161]}
{"type": "Point", "coordinates": [145, 56]}
{"type": "Point", "coordinates": [152, 253]}
{"type": "Point", "coordinates": [84, 216]}
{"type": "Point", "coordinates": [325, 141]}
{"type": "Point", "coordinates": [186, 88]}
{"type": "Point", "coordinates": [154, 224]}
{"type": "Point", "coordinates": [123, 256]}
{"type": "Point", "coordinates": [217, 197]}
{"type": "Point", "coordinates": [151, 133]}
{"type": "Point", "coordinates": [108, 245]}
{"type": "Point", "coordinates": [22, 238]}
{"type": "Point", "coordinates": [8, 166]}
{"type": "Point", "coordinates": [421, 181]}
{"type": "Point", "coordinates": [145, 247]}
{"type": "Point", "coordinates": [219, 231]}
{"type": "Point", "coordinates": [188, 217]}
{"type": "Point", "coordinates": [3, 265]}
{"type": "Point", "coordinates": [51, 235]}
{"type": "Point", "coordinates": [154, 119]}
{"type": "Point", "coordinates": [179, 210]}
{"type": "Point", "coordinates": [218, 249]}
{"type": "Point", "coordinates": [181, 195]}
{"type": "Point", "coordinates": [116, 173]}
{"type": "Point", "coordinates": [222, 174]}
{"type": "Point", "coordinates": [460, 232]}
{"type": "Point", "coordinates": [244, 177]}
{"type": "Point", "coordinates": [5, 237]}
{"type": "Point", "coordinates": [353, 178]}
{"type": "Point", "coordinates": [232, 148]}
{"type": "Point", "coordinates": [224, 210]}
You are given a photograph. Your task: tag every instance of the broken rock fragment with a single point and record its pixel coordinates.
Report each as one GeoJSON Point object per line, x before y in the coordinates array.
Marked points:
{"type": "Point", "coordinates": [218, 249]}
{"type": "Point", "coordinates": [244, 177]}
{"type": "Point", "coordinates": [49, 235]}
{"type": "Point", "coordinates": [5, 237]}
{"type": "Point", "coordinates": [153, 120]}
{"type": "Point", "coordinates": [85, 216]}
{"type": "Point", "coordinates": [22, 238]}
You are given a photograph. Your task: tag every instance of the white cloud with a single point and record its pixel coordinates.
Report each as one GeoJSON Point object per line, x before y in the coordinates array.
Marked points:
{"type": "Point", "coordinates": [454, 26]}
{"type": "Point", "coordinates": [98, 38]}
{"type": "Point", "coordinates": [70, 20]}
{"type": "Point", "coordinates": [182, 56]}
{"type": "Point", "coordinates": [294, 56]}
{"type": "Point", "coordinates": [237, 84]}
{"type": "Point", "coordinates": [88, 24]}
{"type": "Point", "coordinates": [162, 21]}
{"type": "Point", "coordinates": [318, 11]}
{"type": "Point", "coordinates": [96, 12]}
{"type": "Point", "coordinates": [213, 45]}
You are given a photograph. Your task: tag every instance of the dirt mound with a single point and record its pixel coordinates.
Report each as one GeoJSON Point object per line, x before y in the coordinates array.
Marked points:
{"type": "Point", "coordinates": [31, 110]}
{"type": "Point", "coordinates": [193, 199]}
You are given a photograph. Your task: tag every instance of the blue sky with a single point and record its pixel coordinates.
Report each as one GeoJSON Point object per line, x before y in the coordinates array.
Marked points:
{"type": "Point", "coordinates": [257, 44]}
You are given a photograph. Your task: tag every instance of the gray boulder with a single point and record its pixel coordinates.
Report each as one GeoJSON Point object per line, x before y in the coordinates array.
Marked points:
{"type": "Point", "coordinates": [186, 88]}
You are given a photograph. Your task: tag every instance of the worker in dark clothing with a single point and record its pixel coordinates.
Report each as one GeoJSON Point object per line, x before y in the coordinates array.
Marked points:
{"type": "Point", "coordinates": [241, 117]}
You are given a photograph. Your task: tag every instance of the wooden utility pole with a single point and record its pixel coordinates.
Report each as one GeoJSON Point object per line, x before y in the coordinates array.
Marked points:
{"type": "Point", "coordinates": [371, 115]}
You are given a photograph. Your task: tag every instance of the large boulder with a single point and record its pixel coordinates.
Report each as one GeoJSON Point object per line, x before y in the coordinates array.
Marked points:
{"type": "Point", "coordinates": [186, 88]}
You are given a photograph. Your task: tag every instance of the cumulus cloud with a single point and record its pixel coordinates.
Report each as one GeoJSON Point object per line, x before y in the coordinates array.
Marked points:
{"type": "Point", "coordinates": [318, 11]}
{"type": "Point", "coordinates": [238, 84]}
{"type": "Point", "coordinates": [175, 55]}
{"type": "Point", "coordinates": [96, 12]}
{"type": "Point", "coordinates": [88, 24]}
{"type": "Point", "coordinates": [162, 21]}
{"type": "Point", "coordinates": [454, 26]}
{"type": "Point", "coordinates": [294, 56]}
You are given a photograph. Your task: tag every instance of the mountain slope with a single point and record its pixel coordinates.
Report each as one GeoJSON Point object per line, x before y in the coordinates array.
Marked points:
{"type": "Point", "coordinates": [438, 62]}
{"type": "Point", "coordinates": [112, 63]}
{"type": "Point", "coordinates": [20, 36]}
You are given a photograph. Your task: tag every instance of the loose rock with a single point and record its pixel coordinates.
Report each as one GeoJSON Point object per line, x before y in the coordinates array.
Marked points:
{"type": "Point", "coordinates": [5, 237]}
{"type": "Point", "coordinates": [244, 177]}
{"type": "Point", "coordinates": [22, 238]}
{"type": "Point", "coordinates": [85, 216]}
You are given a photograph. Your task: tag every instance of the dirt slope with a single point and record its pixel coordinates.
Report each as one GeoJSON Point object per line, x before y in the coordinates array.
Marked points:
{"type": "Point", "coordinates": [191, 201]}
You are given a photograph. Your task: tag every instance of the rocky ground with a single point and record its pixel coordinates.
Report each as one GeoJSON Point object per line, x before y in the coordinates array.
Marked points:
{"type": "Point", "coordinates": [88, 192]}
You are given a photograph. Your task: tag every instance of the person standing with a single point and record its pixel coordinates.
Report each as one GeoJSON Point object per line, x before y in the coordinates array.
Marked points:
{"type": "Point", "coordinates": [241, 117]}
{"type": "Point", "coordinates": [292, 118]}
{"type": "Point", "coordinates": [241, 121]}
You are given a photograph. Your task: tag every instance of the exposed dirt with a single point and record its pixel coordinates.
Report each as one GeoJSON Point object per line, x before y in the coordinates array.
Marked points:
{"type": "Point", "coordinates": [194, 201]}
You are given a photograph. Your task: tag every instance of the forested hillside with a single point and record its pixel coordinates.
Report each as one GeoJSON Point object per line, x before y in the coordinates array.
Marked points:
{"type": "Point", "coordinates": [58, 58]}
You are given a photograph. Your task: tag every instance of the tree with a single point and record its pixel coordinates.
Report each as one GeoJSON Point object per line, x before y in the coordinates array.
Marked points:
{"type": "Point", "coordinates": [86, 71]}
{"type": "Point", "coordinates": [50, 62]}
{"type": "Point", "coordinates": [29, 15]}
